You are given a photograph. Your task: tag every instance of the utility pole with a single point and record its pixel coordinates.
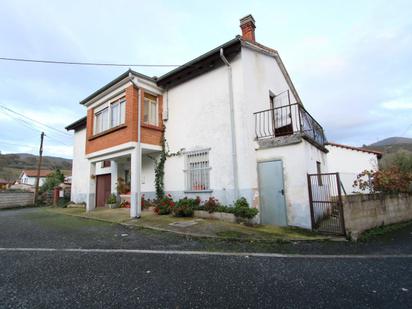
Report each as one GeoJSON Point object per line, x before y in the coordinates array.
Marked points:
{"type": "Point", "coordinates": [36, 188]}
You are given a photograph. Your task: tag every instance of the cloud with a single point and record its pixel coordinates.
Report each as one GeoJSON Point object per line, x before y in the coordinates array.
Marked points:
{"type": "Point", "coordinates": [398, 104]}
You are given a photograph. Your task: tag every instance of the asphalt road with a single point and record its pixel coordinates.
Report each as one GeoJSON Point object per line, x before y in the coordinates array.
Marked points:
{"type": "Point", "coordinates": [377, 274]}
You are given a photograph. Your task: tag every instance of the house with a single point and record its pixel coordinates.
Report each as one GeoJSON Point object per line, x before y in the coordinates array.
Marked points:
{"type": "Point", "coordinates": [230, 121]}
{"type": "Point", "coordinates": [28, 177]}
{"type": "Point", "coordinates": [350, 162]}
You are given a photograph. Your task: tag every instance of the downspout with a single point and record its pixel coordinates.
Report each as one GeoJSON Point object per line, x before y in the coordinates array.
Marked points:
{"type": "Point", "coordinates": [139, 148]}
{"type": "Point", "coordinates": [232, 125]}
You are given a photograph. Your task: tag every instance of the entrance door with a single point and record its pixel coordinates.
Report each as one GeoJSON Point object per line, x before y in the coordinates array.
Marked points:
{"type": "Point", "coordinates": [272, 194]}
{"type": "Point", "coordinates": [103, 189]}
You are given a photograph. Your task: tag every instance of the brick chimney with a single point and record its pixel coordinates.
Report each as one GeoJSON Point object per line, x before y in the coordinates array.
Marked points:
{"type": "Point", "coordinates": [247, 24]}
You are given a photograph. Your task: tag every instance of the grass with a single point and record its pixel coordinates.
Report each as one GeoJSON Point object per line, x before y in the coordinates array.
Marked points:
{"type": "Point", "coordinates": [383, 230]}
{"type": "Point", "coordinates": [203, 227]}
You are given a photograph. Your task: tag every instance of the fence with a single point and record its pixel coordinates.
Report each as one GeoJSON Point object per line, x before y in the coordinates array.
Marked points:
{"type": "Point", "coordinates": [15, 199]}
{"type": "Point", "coordinates": [287, 120]}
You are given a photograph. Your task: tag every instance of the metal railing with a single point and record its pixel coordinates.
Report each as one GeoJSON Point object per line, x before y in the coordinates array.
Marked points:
{"type": "Point", "coordinates": [287, 120]}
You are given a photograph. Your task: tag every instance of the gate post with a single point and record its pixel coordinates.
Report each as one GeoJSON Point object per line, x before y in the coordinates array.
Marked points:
{"type": "Point", "coordinates": [312, 215]}
{"type": "Point", "coordinates": [342, 219]}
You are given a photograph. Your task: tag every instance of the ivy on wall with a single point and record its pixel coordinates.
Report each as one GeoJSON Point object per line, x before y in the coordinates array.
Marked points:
{"type": "Point", "coordinates": [160, 165]}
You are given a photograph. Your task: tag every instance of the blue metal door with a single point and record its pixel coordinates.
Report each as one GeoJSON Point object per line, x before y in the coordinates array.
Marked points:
{"type": "Point", "coordinates": [272, 193]}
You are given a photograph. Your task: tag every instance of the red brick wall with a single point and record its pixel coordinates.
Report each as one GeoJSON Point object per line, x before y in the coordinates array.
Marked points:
{"type": "Point", "coordinates": [128, 132]}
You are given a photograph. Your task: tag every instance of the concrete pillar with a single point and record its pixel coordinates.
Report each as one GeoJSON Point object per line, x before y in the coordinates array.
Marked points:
{"type": "Point", "coordinates": [114, 175]}
{"type": "Point", "coordinates": [91, 190]}
{"type": "Point", "coordinates": [135, 169]}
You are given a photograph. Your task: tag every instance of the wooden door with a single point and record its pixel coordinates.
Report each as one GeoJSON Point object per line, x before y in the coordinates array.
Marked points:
{"type": "Point", "coordinates": [103, 189]}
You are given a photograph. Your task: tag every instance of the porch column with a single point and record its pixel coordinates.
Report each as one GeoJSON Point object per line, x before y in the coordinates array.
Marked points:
{"type": "Point", "coordinates": [135, 201]}
{"type": "Point", "coordinates": [113, 169]}
{"type": "Point", "coordinates": [91, 190]}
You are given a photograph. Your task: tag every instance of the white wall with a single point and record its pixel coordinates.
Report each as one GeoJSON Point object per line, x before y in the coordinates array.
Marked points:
{"type": "Point", "coordinates": [349, 163]}
{"type": "Point", "coordinates": [298, 160]}
{"type": "Point", "coordinates": [199, 117]}
{"type": "Point", "coordinates": [31, 180]}
{"type": "Point", "coordinates": [80, 168]}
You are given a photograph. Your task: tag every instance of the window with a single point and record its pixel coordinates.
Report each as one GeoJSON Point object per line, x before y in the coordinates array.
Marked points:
{"type": "Point", "coordinates": [197, 170]}
{"type": "Point", "coordinates": [101, 121]}
{"type": "Point", "coordinates": [106, 163]}
{"type": "Point", "coordinates": [150, 110]}
{"type": "Point", "coordinates": [112, 115]}
{"type": "Point", "coordinates": [319, 172]}
{"type": "Point", "coordinates": [117, 113]}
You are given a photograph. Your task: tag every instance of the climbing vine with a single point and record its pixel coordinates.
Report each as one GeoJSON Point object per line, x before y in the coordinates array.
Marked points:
{"type": "Point", "coordinates": [160, 165]}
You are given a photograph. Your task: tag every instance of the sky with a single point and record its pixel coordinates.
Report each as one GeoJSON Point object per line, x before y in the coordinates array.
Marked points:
{"type": "Point", "coordinates": [351, 61]}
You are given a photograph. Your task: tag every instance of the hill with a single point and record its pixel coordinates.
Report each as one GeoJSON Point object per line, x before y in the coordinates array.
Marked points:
{"type": "Point", "coordinates": [392, 144]}
{"type": "Point", "coordinates": [12, 164]}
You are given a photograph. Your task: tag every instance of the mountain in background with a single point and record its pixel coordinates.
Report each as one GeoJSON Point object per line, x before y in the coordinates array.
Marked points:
{"type": "Point", "coordinates": [391, 145]}
{"type": "Point", "coordinates": [12, 164]}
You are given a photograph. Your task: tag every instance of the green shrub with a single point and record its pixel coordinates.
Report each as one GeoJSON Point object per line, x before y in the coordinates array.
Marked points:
{"type": "Point", "coordinates": [242, 209]}
{"type": "Point", "coordinates": [165, 205]}
{"type": "Point", "coordinates": [184, 207]}
{"type": "Point", "coordinates": [211, 204]}
{"type": "Point", "coordinates": [112, 199]}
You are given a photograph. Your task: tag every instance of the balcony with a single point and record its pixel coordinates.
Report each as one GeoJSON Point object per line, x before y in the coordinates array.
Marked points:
{"type": "Point", "coordinates": [288, 120]}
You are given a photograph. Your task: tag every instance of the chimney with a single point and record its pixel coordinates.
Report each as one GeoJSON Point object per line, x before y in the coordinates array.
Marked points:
{"type": "Point", "coordinates": [247, 24]}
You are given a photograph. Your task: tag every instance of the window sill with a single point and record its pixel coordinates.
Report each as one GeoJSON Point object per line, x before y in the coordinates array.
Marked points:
{"type": "Point", "coordinates": [198, 191]}
{"type": "Point", "coordinates": [153, 127]}
{"type": "Point", "coordinates": [122, 126]}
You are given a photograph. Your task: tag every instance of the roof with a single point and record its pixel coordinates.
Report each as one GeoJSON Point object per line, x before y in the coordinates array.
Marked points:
{"type": "Point", "coordinates": [114, 82]}
{"type": "Point", "coordinates": [201, 64]}
{"type": "Point", "coordinates": [3, 181]}
{"type": "Point", "coordinates": [78, 124]}
{"type": "Point", "coordinates": [33, 173]}
{"type": "Point", "coordinates": [377, 153]}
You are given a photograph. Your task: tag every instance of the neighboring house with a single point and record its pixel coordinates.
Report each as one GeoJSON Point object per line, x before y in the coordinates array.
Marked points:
{"type": "Point", "coordinates": [233, 119]}
{"type": "Point", "coordinates": [350, 162]}
{"type": "Point", "coordinates": [28, 177]}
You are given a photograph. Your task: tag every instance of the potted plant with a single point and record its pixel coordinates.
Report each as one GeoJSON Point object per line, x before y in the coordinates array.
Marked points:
{"type": "Point", "coordinates": [112, 201]}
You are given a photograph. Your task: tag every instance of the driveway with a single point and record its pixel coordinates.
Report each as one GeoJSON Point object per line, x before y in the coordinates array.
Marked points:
{"type": "Point", "coordinates": [50, 260]}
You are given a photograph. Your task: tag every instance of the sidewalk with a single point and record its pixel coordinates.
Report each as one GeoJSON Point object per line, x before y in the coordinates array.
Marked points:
{"type": "Point", "coordinates": [196, 227]}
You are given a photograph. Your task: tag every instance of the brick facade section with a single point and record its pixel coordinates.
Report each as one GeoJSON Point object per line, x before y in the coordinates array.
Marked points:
{"type": "Point", "coordinates": [128, 132]}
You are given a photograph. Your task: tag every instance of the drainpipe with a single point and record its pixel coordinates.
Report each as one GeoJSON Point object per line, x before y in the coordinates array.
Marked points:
{"type": "Point", "coordinates": [139, 151]}
{"type": "Point", "coordinates": [232, 125]}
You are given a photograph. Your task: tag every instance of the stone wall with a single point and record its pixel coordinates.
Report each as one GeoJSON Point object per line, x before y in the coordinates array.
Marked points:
{"type": "Point", "coordinates": [15, 199]}
{"type": "Point", "coordinates": [366, 211]}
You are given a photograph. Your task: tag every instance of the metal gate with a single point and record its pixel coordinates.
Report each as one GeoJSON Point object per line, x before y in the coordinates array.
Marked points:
{"type": "Point", "coordinates": [325, 199]}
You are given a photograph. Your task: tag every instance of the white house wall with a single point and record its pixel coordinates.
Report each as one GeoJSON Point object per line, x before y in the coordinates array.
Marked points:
{"type": "Point", "coordinates": [199, 117]}
{"type": "Point", "coordinates": [349, 163]}
{"type": "Point", "coordinates": [80, 168]}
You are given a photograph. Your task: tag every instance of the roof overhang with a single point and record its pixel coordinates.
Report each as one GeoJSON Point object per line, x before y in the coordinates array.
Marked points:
{"type": "Point", "coordinates": [77, 125]}
{"type": "Point", "coordinates": [200, 65]}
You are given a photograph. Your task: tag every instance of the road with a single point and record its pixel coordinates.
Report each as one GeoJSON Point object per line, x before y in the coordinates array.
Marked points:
{"type": "Point", "coordinates": [95, 265]}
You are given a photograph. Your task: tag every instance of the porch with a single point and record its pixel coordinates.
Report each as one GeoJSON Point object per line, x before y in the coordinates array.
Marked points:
{"type": "Point", "coordinates": [125, 173]}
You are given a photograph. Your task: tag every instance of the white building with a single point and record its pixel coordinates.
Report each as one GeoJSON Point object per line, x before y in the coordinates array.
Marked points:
{"type": "Point", "coordinates": [28, 177]}
{"type": "Point", "coordinates": [233, 123]}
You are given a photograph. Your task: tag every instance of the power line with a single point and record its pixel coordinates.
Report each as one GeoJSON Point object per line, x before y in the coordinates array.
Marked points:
{"type": "Point", "coordinates": [30, 126]}
{"type": "Point", "coordinates": [31, 119]}
{"type": "Point", "coordinates": [87, 63]}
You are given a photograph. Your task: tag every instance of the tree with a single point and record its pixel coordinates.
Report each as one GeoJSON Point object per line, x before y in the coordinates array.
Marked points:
{"type": "Point", "coordinates": [52, 180]}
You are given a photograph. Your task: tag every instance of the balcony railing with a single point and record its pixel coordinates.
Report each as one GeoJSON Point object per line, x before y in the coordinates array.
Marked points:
{"type": "Point", "coordinates": [287, 120]}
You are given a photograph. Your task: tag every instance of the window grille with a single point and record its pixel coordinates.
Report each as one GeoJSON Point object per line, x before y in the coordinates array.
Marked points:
{"type": "Point", "coordinates": [197, 170]}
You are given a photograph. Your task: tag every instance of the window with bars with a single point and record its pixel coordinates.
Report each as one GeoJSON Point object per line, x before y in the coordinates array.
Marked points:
{"type": "Point", "coordinates": [197, 170]}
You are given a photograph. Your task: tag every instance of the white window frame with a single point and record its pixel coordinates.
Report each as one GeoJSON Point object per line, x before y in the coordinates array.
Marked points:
{"type": "Point", "coordinates": [197, 170]}
{"type": "Point", "coordinates": [119, 100]}
{"type": "Point", "coordinates": [156, 123]}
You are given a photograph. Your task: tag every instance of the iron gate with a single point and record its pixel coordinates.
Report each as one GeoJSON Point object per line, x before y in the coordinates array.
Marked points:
{"type": "Point", "coordinates": [325, 199]}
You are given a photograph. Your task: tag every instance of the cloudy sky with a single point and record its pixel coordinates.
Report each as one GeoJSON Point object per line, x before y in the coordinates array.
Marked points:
{"type": "Point", "coordinates": [351, 61]}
